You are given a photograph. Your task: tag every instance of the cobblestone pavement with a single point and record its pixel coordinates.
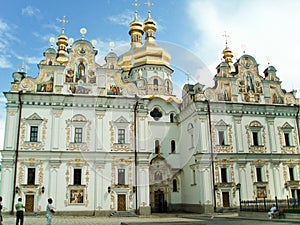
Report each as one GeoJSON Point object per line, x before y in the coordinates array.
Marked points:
{"type": "Point", "coordinates": [155, 220]}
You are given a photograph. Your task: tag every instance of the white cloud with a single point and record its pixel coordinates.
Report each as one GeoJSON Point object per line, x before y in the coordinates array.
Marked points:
{"type": "Point", "coordinates": [124, 18]}
{"type": "Point", "coordinates": [267, 28]}
{"type": "Point", "coordinates": [4, 63]}
{"type": "Point", "coordinates": [30, 11]}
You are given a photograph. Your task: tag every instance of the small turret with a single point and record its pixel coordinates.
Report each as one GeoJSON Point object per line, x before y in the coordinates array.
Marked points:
{"type": "Point", "coordinates": [62, 43]}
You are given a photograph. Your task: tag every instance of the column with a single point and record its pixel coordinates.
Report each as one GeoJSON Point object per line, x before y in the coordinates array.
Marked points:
{"type": "Point", "coordinates": [12, 118]}
{"type": "Point", "coordinates": [55, 128]}
{"type": "Point", "coordinates": [54, 184]}
{"type": "Point", "coordinates": [243, 181]}
{"type": "Point", "coordinates": [99, 131]}
{"type": "Point", "coordinates": [7, 185]}
{"type": "Point", "coordinates": [204, 134]}
{"type": "Point", "coordinates": [99, 187]}
{"type": "Point", "coordinates": [238, 133]}
{"type": "Point", "coordinates": [141, 134]}
{"type": "Point", "coordinates": [272, 137]}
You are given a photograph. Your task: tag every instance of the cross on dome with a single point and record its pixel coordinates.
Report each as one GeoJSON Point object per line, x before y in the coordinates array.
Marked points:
{"type": "Point", "coordinates": [63, 21]}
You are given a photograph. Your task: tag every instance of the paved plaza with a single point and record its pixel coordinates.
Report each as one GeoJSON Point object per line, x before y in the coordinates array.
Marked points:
{"type": "Point", "coordinates": [155, 219]}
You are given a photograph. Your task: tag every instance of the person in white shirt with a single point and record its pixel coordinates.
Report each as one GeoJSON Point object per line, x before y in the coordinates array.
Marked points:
{"type": "Point", "coordinates": [49, 212]}
{"type": "Point", "coordinates": [272, 211]}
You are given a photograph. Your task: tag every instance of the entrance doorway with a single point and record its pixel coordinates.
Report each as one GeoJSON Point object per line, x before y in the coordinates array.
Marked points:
{"type": "Point", "coordinates": [29, 203]}
{"type": "Point", "coordinates": [121, 202]}
{"type": "Point", "coordinates": [225, 196]}
{"type": "Point", "coordinates": [159, 200]}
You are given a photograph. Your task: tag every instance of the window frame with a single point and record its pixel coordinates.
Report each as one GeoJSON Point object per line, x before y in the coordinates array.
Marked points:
{"type": "Point", "coordinates": [31, 175]}
{"type": "Point", "coordinates": [78, 136]}
{"type": "Point", "coordinates": [34, 133]}
{"type": "Point", "coordinates": [77, 176]}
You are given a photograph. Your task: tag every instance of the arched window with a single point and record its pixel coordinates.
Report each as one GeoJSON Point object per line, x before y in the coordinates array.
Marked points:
{"type": "Point", "coordinates": [157, 147]}
{"type": "Point", "coordinates": [173, 146]}
{"type": "Point", "coordinates": [171, 118]}
{"type": "Point", "coordinates": [155, 83]}
{"type": "Point", "coordinates": [175, 189]}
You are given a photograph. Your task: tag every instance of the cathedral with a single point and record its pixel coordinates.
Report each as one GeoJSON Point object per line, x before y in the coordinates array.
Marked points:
{"type": "Point", "coordinates": [105, 138]}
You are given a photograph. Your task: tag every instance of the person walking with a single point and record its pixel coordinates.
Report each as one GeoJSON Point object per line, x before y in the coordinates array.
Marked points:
{"type": "Point", "coordinates": [49, 212]}
{"type": "Point", "coordinates": [1, 218]}
{"type": "Point", "coordinates": [20, 212]}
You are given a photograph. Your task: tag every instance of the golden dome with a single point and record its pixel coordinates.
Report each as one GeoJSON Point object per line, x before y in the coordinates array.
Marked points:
{"type": "Point", "coordinates": [62, 43]}
{"type": "Point", "coordinates": [227, 55]}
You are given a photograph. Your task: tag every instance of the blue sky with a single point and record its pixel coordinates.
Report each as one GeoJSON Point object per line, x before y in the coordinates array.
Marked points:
{"type": "Point", "coordinates": [191, 30]}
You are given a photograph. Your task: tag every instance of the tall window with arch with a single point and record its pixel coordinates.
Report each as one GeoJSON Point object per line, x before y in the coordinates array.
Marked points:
{"type": "Point", "coordinates": [172, 118]}
{"type": "Point", "coordinates": [157, 147]}
{"type": "Point", "coordinates": [173, 147]}
{"type": "Point", "coordinates": [175, 186]}
{"type": "Point", "coordinates": [155, 83]}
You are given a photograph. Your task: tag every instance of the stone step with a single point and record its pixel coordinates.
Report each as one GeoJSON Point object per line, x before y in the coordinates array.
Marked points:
{"type": "Point", "coordinates": [123, 214]}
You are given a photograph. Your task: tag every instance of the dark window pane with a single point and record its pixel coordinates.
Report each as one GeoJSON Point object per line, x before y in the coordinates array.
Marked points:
{"type": "Point", "coordinates": [31, 176]}
{"type": "Point", "coordinates": [221, 138]}
{"type": "Point", "coordinates": [77, 176]}
{"type": "Point", "coordinates": [255, 138]}
{"type": "Point", "coordinates": [224, 175]}
{"type": "Point", "coordinates": [121, 136]}
{"type": "Point", "coordinates": [121, 176]}
{"type": "Point", "coordinates": [78, 135]}
{"type": "Point", "coordinates": [258, 174]}
{"type": "Point", "coordinates": [33, 133]}
{"type": "Point", "coordinates": [287, 139]}
{"type": "Point", "coordinates": [174, 185]}
{"type": "Point", "coordinates": [173, 146]}
{"type": "Point", "coordinates": [291, 172]}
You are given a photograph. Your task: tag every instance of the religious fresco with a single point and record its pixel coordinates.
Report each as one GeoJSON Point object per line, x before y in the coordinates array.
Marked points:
{"type": "Point", "coordinates": [78, 88]}
{"type": "Point", "coordinates": [112, 88]}
{"type": "Point", "coordinates": [47, 83]}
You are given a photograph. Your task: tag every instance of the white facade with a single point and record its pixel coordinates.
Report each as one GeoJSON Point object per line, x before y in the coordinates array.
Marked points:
{"type": "Point", "coordinates": [99, 139]}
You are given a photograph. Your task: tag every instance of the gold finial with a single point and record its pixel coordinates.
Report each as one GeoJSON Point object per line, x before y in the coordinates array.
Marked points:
{"type": "Point", "coordinates": [225, 35]}
{"type": "Point", "coordinates": [63, 21]}
{"type": "Point", "coordinates": [149, 4]}
{"type": "Point", "coordinates": [136, 5]}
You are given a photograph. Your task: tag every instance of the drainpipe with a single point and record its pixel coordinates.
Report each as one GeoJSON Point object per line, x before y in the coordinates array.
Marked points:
{"type": "Point", "coordinates": [211, 155]}
{"type": "Point", "coordinates": [135, 155]}
{"type": "Point", "coordinates": [297, 123]}
{"type": "Point", "coordinates": [17, 153]}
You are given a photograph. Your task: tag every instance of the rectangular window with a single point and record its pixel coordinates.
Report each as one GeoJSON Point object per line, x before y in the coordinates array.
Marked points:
{"type": "Point", "coordinates": [78, 135]}
{"type": "Point", "coordinates": [121, 136]}
{"type": "Point", "coordinates": [77, 177]}
{"type": "Point", "coordinates": [291, 172]}
{"type": "Point", "coordinates": [224, 175]}
{"type": "Point", "coordinates": [33, 134]}
{"type": "Point", "coordinates": [221, 138]}
{"type": "Point", "coordinates": [31, 176]}
{"type": "Point", "coordinates": [258, 174]}
{"type": "Point", "coordinates": [255, 138]}
{"type": "Point", "coordinates": [287, 139]}
{"type": "Point", "coordinates": [121, 176]}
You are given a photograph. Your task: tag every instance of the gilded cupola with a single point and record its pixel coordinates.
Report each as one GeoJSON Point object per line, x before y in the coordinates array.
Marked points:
{"type": "Point", "coordinates": [136, 32]}
{"type": "Point", "coordinates": [62, 43]}
{"type": "Point", "coordinates": [149, 27]}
